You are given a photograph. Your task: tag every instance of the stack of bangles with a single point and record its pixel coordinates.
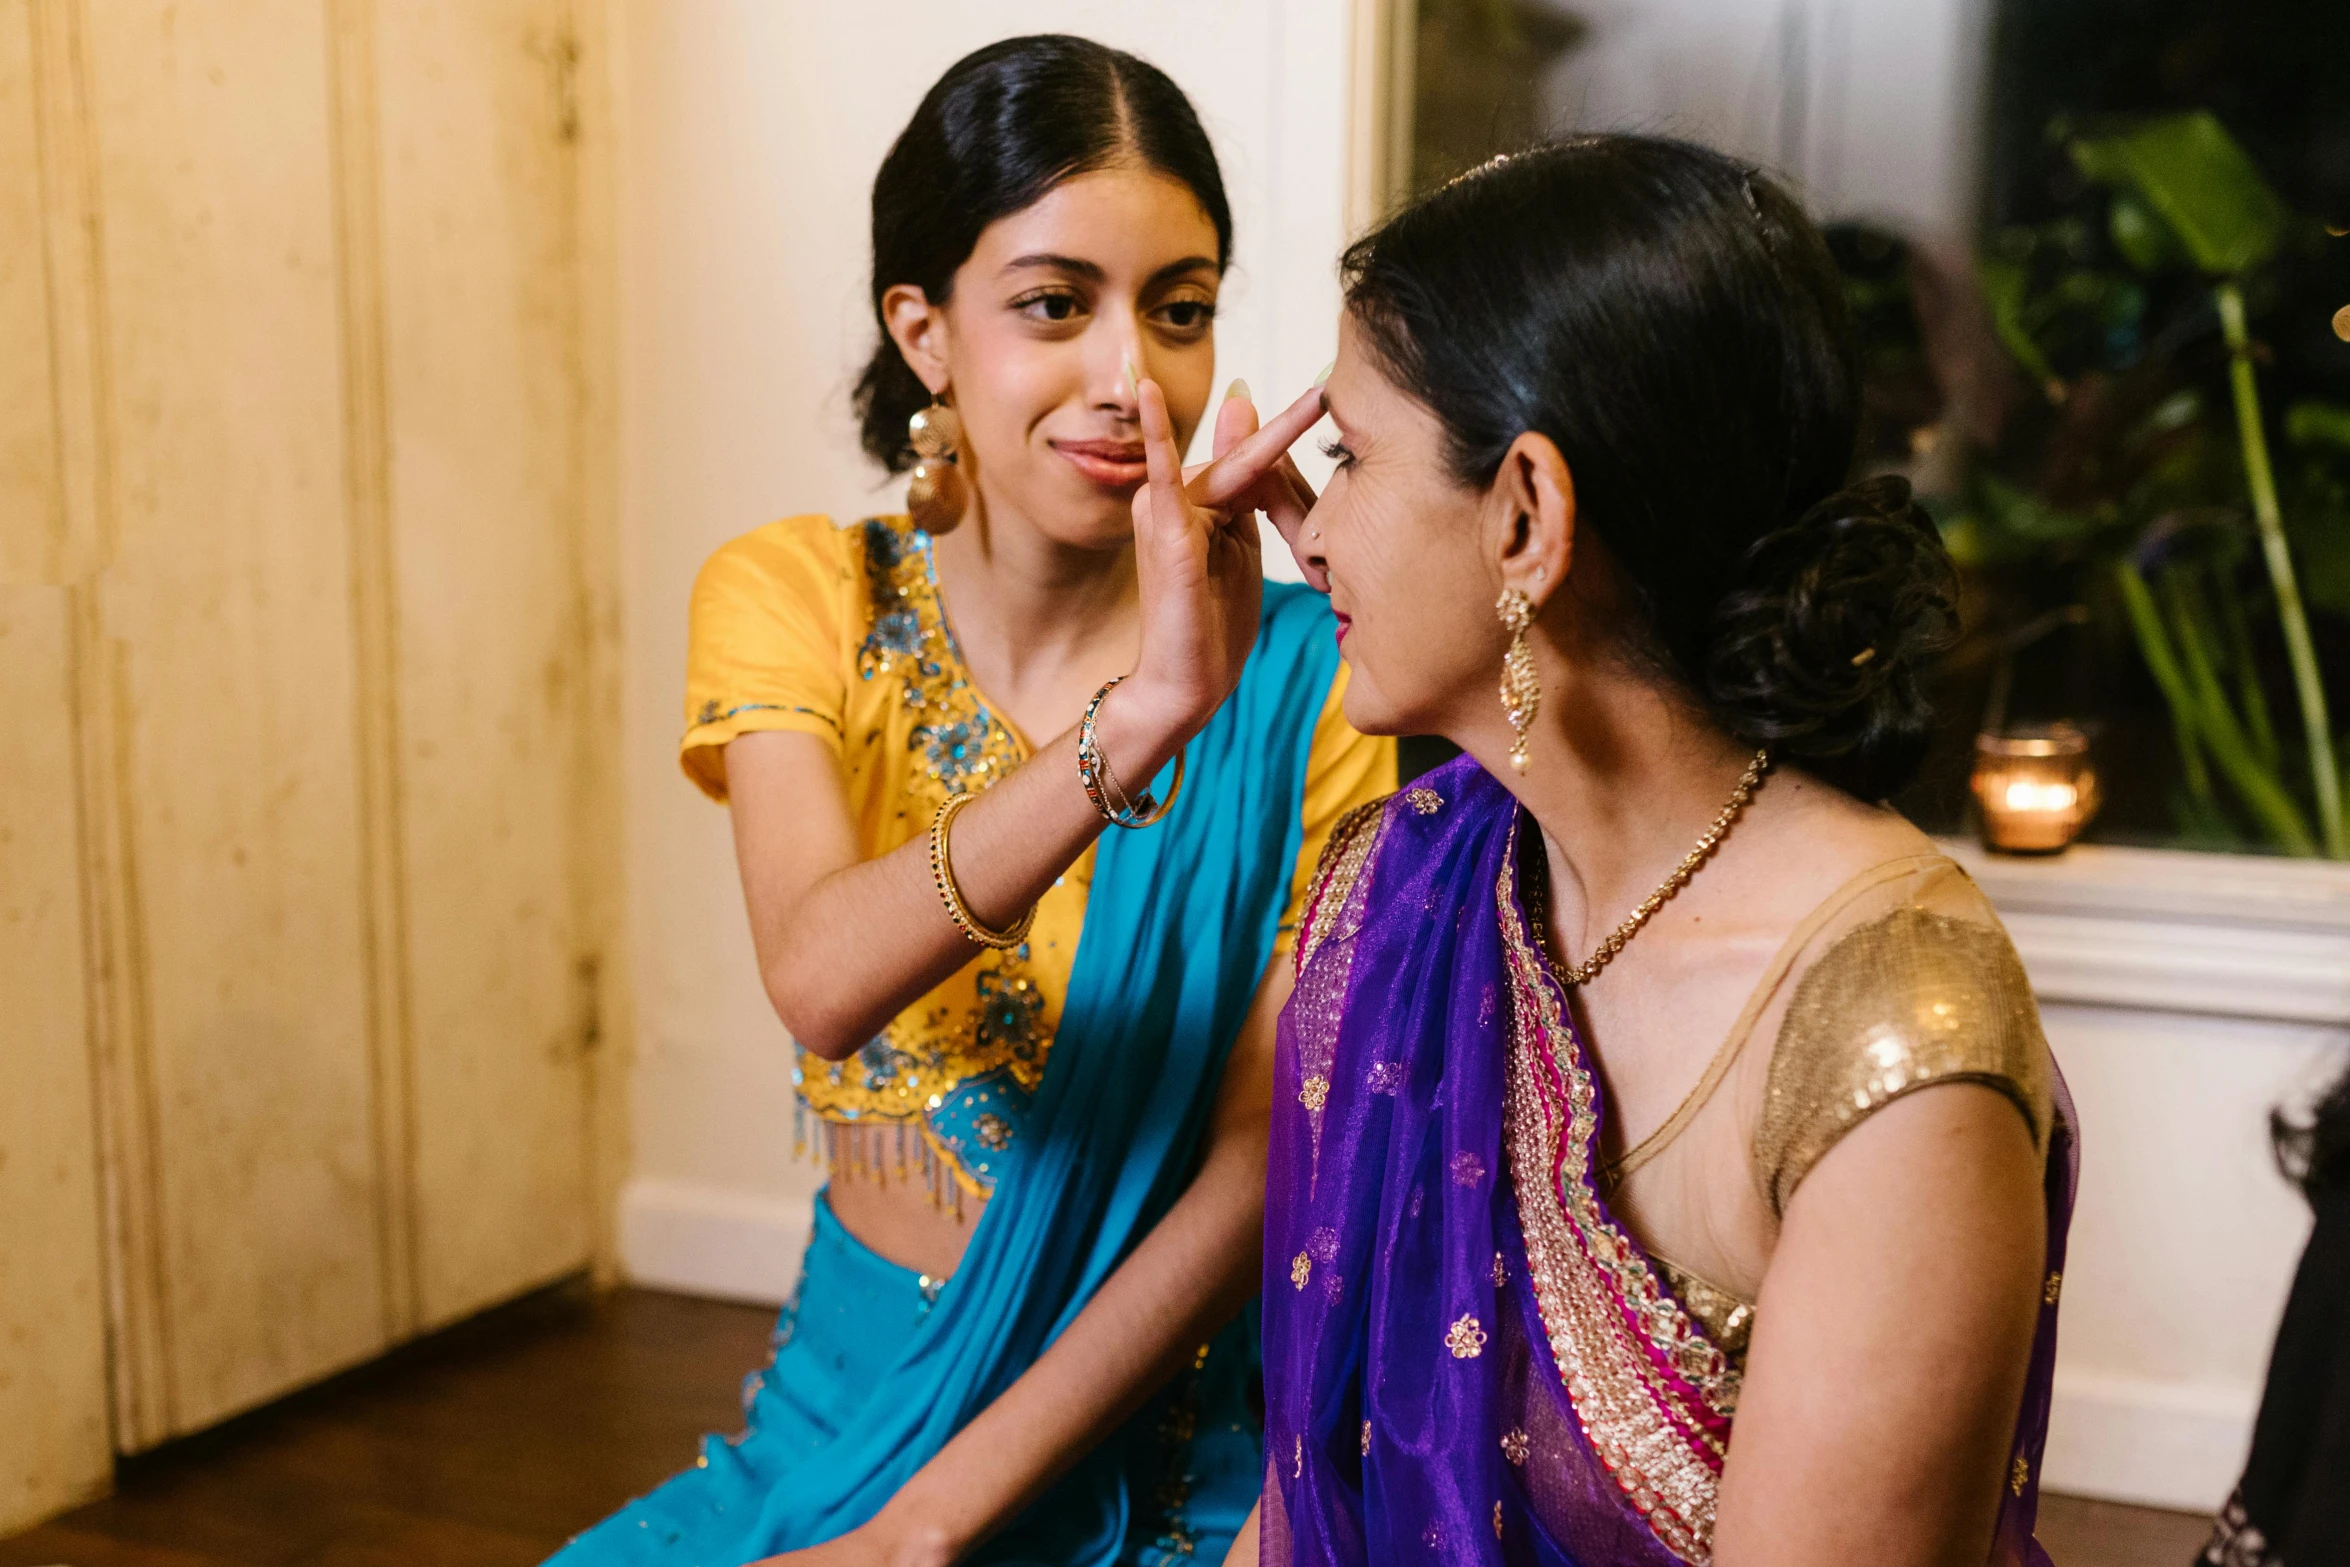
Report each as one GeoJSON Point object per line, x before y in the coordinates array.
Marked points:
{"type": "Point", "coordinates": [1109, 797]}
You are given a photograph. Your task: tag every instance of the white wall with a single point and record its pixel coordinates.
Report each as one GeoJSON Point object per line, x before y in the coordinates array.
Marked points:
{"type": "Point", "coordinates": [2185, 996]}
{"type": "Point", "coordinates": [748, 136]}
{"type": "Point", "coordinates": [1870, 104]}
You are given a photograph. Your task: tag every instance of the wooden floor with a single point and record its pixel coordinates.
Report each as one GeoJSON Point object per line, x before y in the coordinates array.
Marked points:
{"type": "Point", "coordinates": [487, 1446]}
{"type": "Point", "coordinates": [491, 1444]}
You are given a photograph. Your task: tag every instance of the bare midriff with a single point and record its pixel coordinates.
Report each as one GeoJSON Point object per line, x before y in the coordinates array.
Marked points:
{"type": "Point", "coordinates": [898, 1218]}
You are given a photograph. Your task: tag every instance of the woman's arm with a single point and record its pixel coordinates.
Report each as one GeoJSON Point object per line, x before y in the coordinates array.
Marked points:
{"type": "Point", "coordinates": [845, 944]}
{"type": "Point", "coordinates": [1891, 1344]}
{"type": "Point", "coordinates": [1244, 1552]}
{"type": "Point", "coordinates": [1195, 1269]}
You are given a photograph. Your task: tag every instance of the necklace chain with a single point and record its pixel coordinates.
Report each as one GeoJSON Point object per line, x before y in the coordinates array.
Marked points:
{"type": "Point", "coordinates": [1582, 974]}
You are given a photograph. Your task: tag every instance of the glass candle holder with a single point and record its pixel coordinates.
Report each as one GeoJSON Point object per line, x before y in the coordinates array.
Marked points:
{"type": "Point", "coordinates": [2036, 788]}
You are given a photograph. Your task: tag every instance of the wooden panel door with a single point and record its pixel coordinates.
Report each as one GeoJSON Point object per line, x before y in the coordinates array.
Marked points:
{"type": "Point", "coordinates": [307, 451]}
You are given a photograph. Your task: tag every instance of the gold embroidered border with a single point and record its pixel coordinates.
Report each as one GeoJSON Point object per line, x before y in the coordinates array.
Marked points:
{"type": "Point", "coordinates": [1660, 1451]}
{"type": "Point", "coordinates": [1343, 858]}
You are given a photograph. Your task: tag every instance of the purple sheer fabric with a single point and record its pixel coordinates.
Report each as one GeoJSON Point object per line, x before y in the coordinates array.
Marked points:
{"type": "Point", "coordinates": [1415, 1410]}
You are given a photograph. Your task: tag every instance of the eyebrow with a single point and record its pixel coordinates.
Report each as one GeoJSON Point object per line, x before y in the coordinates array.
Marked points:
{"type": "Point", "coordinates": [1045, 260]}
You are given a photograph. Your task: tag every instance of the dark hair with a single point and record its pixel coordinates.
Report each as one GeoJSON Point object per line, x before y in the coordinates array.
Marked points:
{"type": "Point", "coordinates": [2316, 1153]}
{"type": "Point", "coordinates": [999, 130]}
{"type": "Point", "coordinates": [1671, 320]}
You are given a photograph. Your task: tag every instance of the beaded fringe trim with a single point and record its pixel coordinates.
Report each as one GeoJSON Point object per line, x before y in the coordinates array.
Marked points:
{"type": "Point", "coordinates": [883, 1151]}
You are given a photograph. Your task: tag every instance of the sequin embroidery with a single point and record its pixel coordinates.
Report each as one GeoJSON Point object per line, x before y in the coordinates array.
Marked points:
{"type": "Point", "coordinates": [960, 1078]}
{"type": "Point", "coordinates": [1651, 1392]}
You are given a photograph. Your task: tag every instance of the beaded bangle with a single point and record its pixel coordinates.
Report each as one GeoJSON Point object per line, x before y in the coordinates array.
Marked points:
{"type": "Point", "coordinates": [1101, 784]}
{"type": "Point", "coordinates": [942, 872]}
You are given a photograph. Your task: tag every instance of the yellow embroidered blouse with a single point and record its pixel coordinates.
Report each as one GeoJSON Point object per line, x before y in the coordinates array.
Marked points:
{"type": "Point", "coordinates": [840, 632]}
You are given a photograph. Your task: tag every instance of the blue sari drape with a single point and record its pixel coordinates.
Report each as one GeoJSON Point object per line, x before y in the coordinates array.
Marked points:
{"type": "Point", "coordinates": [1179, 926]}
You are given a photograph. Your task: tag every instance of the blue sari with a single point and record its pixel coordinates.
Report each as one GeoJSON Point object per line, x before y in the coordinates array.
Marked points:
{"type": "Point", "coordinates": [874, 1373]}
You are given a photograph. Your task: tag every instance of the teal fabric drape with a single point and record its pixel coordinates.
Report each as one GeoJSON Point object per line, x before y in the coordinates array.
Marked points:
{"type": "Point", "coordinates": [1179, 926]}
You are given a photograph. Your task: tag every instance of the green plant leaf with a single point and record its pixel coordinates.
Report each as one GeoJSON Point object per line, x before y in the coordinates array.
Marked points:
{"type": "Point", "coordinates": [2007, 291]}
{"type": "Point", "coordinates": [2209, 193]}
{"type": "Point", "coordinates": [2140, 234]}
{"type": "Point", "coordinates": [2318, 424]}
{"type": "Point", "coordinates": [2021, 515]}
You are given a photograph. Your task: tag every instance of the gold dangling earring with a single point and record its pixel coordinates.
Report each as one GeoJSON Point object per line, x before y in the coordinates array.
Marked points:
{"type": "Point", "coordinates": [937, 497]}
{"type": "Point", "coordinates": [1521, 692]}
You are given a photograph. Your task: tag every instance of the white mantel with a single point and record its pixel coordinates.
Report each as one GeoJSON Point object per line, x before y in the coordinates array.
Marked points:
{"type": "Point", "coordinates": [2184, 995]}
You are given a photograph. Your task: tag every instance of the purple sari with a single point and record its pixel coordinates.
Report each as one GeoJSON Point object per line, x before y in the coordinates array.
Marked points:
{"type": "Point", "coordinates": [1458, 1369]}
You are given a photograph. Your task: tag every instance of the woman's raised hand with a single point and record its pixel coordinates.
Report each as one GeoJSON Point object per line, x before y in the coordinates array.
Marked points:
{"type": "Point", "coordinates": [1196, 552]}
{"type": "Point", "coordinates": [1280, 492]}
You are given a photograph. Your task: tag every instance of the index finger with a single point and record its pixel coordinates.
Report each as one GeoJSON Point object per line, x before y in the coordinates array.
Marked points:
{"type": "Point", "coordinates": [1165, 464]}
{"type": "Point", "coordinates": [1248, 462]}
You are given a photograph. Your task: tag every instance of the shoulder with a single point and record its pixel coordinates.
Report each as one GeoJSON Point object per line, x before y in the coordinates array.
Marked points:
{"type": "Point", "coordinates": [807, 547]}
{"type": "Point", "coordinates": [1906, 999]}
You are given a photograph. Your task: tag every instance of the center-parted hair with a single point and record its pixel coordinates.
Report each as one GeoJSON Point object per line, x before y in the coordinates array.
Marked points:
{"type": "Point", "coordinates": [1674, 324]}
{"type": "Point", "coordinates": [1002, 128]}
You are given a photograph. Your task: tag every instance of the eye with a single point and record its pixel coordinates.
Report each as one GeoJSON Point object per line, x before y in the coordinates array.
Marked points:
{"type": "Point", "coordinates": [1187, 315]}
{"type": "Point", "coordinates": [1056, 305]}
{"type": "Point", "coordinates": [1338, 453]}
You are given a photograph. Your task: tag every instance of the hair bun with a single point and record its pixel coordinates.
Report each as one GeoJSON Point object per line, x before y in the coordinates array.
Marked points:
{"type": "Point", "coordinates": [1822, 647]}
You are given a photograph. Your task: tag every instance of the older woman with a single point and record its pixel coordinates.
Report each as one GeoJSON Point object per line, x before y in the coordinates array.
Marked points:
{"type": "Point", "coordinates": [1667, 1164]}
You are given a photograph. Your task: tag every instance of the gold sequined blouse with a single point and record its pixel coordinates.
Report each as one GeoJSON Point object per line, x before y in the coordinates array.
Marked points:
{"type": "Point", "coordinates": [841, 632]}
{"type": "Point", "coordinates": [1901, 979]}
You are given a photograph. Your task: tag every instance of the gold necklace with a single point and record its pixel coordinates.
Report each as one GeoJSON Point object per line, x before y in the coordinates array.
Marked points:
{"type": "Point", "coordinates": [1582, 974]}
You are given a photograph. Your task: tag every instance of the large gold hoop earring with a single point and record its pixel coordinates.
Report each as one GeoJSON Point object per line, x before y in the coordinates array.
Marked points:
{"type": "Point", "coordinates": [1521, 691]}
{"type": "Point", "coordinates": [937, 497]}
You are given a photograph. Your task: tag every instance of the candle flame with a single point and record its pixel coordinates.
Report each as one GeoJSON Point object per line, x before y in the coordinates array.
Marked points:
{"type": "Point", "coordinates": [2031, 794]}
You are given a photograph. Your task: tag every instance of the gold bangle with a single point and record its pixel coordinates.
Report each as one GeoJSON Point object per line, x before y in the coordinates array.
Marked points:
{"type": "Point", "coordinates": [942, 873]}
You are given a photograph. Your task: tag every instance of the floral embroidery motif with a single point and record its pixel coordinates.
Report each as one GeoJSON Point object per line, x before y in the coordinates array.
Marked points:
{"type": "Point", "coordinates": [1314, 1092]}
{"type": "Point", "coordinates": [1385, 1077]}
{"type": "Point", "coordinates": [2054, 1289]}
{"type": "Point", "coordinates": [1366, 1439]}
{"type": "Point", "coordinates": [1466, 1339]}
{"type": "Point", "coordinates": [2022, 1475]}
{"type": "Point", "coordinates": [1651, 1392]}
{"type": "Point", "coordinates": [1497, 1520]}
{"type": "Point", "coordinates": [1515, 1445]}
{"type": "Point", "coordinates": [924, 1073]}
{"type": "Point", "coordinates": [1467, 1169]}
{"type": "Point", "coordinates": [1501, 1272]}
{"type": "Point", "coordinates": [963, 745]}
{"type": "Point", "coordinates": [1300, 1270]}
{"type": "Point", "coordinates": [1426, 801]}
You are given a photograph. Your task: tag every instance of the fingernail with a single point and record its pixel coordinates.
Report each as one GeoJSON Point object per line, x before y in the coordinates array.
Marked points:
{"type": "Point", "coordinates": [1323, 379]}
{"type": "Point", "coordinates": [1133, 381]}
{"type": "Point", "coordinates": [1238, 388]}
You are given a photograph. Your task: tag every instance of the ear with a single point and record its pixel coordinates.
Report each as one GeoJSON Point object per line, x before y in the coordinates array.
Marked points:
{"type": "Point", "coordinates": [1533, 510]}
{"type": "Point", "coordinates": [919, 328]}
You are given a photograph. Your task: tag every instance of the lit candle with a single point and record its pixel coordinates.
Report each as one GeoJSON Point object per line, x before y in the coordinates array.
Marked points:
{"type": "Point", "coordinates": [2036, 788]}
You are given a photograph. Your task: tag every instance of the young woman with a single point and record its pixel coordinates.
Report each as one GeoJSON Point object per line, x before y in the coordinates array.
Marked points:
{"type": "Point", "coordinates": [1017, 1021]}
{"type": "Point", "coordinates": [1667, 1164]}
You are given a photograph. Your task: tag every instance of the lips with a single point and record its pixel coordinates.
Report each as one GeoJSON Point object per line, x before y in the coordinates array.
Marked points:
{"type": "Point", "coordinates": [1345, 624]}
{"type": "Point", "coordinates": [1114, 464]}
